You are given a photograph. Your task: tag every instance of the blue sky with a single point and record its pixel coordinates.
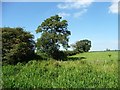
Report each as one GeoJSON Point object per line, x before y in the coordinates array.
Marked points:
{"type": "Point", "coordinates": [95, 21]}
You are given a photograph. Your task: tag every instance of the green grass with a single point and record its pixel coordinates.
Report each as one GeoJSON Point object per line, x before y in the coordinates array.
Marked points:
{"type": "Point", "coordinates": [85, 70]}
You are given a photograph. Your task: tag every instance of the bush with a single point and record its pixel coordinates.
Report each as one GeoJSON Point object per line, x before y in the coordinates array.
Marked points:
{"type": "Point", "coordinates": [60, 55]}
{"type": "Point", "coordinates": [57, 55]}
{"type": "Point", "coordinates": [70, 53]}
{"type": "Point", "coordinates": [41, 55]}
{"type": "Point", "coordinates": [18, 45]}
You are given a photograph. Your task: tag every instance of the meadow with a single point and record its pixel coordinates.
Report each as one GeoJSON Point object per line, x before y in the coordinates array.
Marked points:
{"type": "Point", "coordinates": [84, 70]}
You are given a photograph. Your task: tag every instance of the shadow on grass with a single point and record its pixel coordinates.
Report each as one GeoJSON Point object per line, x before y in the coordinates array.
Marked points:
{"type": "Point", "coordinates": [40, 58]}
{"type": "Point", "coordinates": [75, 58]}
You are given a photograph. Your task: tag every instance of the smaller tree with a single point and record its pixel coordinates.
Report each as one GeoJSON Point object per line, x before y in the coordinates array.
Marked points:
{"type": "Point", "coordinates": [82, 46]}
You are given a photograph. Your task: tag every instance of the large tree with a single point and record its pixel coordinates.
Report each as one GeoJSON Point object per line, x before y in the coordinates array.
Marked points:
{"type": "Point", "coordinates": [54, 33]}
{"type": "Point", "coordinates": [82, 45]}
{"type": "Point", "coordinates": [17, 45]}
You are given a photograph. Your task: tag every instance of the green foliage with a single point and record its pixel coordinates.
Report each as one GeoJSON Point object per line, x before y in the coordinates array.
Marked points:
{"type": "Point", "coordinates": [82, 45]}
{"type": "Point", "coordinates": [53, 33]}
{"type": "Point", "coordinates": [92, 72]}
{"type": "Point", "coordinates": [60, 55]}
{"type": "Point", "coordinates": [18, 45]}
{"type": "Point", "coordinates": [70, 53]}
{"type": "Point", "coordinates": [42, 56]}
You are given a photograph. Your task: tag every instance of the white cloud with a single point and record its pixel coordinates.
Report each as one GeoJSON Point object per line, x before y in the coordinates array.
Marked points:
{"type": "Point", "coordinates": [113, 8]}
{"type": "Point", "coordinates": [77, 14]}
{"type": "Point", "coordinates": [81, 5]}
{"type": "Point", "coordinates": [63, 14]}
{"type": "Point", "coordinates": [76, 4]}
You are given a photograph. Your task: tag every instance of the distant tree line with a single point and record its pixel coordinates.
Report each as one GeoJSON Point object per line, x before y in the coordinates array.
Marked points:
{"type": "Point", "coordinates": [19, 46]}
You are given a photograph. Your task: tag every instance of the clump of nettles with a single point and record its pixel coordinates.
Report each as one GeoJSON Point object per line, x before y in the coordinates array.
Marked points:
{"type": "Point", "coordinates": [109, 55]}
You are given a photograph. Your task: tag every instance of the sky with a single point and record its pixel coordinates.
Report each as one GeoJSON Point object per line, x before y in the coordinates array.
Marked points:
{"type": "Point", "coordinates": [95, 21]}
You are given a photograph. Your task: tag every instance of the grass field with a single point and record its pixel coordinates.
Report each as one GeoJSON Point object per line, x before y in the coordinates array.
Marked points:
{"type": "Point", "coordinates": [86, 70]}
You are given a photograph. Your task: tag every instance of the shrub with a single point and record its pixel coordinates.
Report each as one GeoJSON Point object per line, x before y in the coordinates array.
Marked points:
{"type": "Point", "coordinates": [41, 55]}
{"type": "Point", "coordinates": [18, 45]}
{"type": "Point", "coordinates": [70, 53]}
{"type": "Point", "coordinates": [59, 55]}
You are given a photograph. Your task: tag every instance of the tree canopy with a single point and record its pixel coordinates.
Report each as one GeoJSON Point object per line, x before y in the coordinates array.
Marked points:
{"type": "Point", "coordinates": [54, 33]}
{"type": "Point", "coordinates": [82, 45]}
{"type": "Point", "coordinates": [18, 45]}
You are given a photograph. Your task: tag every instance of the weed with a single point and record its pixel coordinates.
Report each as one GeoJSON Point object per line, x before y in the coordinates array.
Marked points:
{"type": "Point", "coordinates": [87, 73]}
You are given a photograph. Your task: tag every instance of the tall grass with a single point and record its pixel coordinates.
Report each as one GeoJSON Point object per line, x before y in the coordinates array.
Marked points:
{"type": "Point", "coordinates": [95, 70]}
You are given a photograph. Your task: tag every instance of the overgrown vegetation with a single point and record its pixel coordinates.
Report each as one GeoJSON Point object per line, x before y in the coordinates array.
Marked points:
{"type": "Point", "coordinates": [87, 72]}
